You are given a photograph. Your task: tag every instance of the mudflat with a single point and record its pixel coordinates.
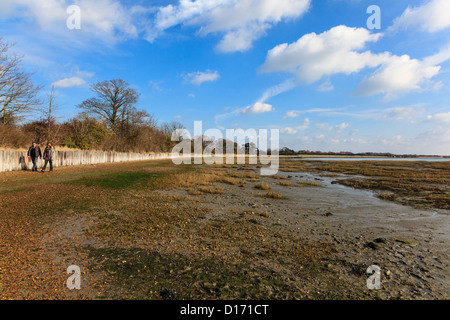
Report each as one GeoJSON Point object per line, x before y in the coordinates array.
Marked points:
{"type": "Point", "coordinates": [153, 230]}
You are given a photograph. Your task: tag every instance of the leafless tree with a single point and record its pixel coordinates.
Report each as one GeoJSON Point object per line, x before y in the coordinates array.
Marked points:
{"type": "Point", "coordinates": [169, 128]}
{"type": "Point", "coordinates": [18, 94]}
{"type": "Point", "coordinates": [113, 102]}
{"type": "Point", "coordinates": [48, 115]}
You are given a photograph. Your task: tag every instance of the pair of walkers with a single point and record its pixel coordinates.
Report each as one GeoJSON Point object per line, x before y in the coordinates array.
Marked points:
{"type": "Point", "coordinates": [34, 153]}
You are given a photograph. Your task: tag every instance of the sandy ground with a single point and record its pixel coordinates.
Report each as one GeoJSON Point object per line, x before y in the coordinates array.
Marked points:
{"type": "Point", "coordinates": [409, 245]}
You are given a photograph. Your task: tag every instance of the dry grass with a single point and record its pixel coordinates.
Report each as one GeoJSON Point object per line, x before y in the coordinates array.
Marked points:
{"type": "Point", "coordinates": [195, 192]}
{"type": "Point", "coordinates": [231, 181]}
{"type": "Point", "coordinates": [191, 179]}
{"type": "Point", "coordinates": [242, 174]}
{"type": "Point", "coordinates": [279, 177]}
{"type": "Point", "coordinates": [271, 195]}
{"type": "Point", "coordinates": [329, 175]}
{"type": "Point", "coordinates": [386, 196]}
{"type": "Point", "coordinates": [303, 183]}
{"type": "Point", "coordinates": [263, 186]}
{"type": "Point", "coordinates": [212, 190]}
{"type": "Point", "coordinates": [284, 183]}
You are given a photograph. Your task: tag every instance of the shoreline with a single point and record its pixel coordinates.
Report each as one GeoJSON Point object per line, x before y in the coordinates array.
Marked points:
{"type": "Point", "coordinates": [408, 244]}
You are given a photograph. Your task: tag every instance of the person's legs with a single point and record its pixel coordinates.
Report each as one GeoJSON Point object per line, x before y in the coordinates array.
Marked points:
{"type": "Point", "coordinates": [45, 165]}
{"type": "Point", "coordinates": [51, 165]}
{"type": "Point", "coordinates": [34, 160]}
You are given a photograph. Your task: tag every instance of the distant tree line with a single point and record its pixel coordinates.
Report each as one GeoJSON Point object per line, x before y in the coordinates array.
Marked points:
{"type": "Point", "coordinates": [289, 152]}
{"type": "Point", "coordinates": [109, 120]}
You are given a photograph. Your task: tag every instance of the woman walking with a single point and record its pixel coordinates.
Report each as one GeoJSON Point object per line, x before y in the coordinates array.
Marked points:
{"type": "Point", "coordinates": [48, 157]}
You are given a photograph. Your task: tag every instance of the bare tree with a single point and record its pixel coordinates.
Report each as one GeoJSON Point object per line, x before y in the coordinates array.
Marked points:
{"type": "Point", "coordinates": [169, 127]}
{"type": "Point", "coordinates": [113, 101]}
{"type": "Point", "coordinates": [18, 94]}
{"type": "Point", "coordinates": [48, 115]}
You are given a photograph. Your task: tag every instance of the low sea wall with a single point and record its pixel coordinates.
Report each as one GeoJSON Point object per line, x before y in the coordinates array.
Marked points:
{"type": "Point", "coordinates": [18, 160]}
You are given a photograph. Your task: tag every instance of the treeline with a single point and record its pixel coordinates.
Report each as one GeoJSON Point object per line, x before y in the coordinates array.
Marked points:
{"type": "Point", "coordinates": [108, 121]}
{"type": "Point", "coordinates": [289, 152]}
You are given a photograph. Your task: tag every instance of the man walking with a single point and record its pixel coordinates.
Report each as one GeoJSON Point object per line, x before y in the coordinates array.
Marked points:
{"type": "Point", "coordinates": [34, 152]}
{"type": "Point", "coordinates": [48, 157]}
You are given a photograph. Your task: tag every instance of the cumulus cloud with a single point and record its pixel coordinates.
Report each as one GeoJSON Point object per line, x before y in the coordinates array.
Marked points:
{"type": "Point", "coordinates": [291, 114]}
{"type": "Point", "coordinates": [241, 22]}
{"type": "Point", "coordinates": [340, 50]}
{"type": "Point", "coordinates": [103, 19]}
{"type": "Point", "coordinates": [296, 129]}
{"type": "Point", "coordinates": [257, 108]}
{"type": "Point", "coordinates": [431, 17]}
{"type": "Point", "coordinates": [397, 75]}
{"type": "Point", "coordinates": [315, 55]}
{"type": "Point", "coordinates": [341, 127]}
{"type": "Point", "coordinates": [200, 77]}
{"type": "Point", "coordinates": [69, 82]}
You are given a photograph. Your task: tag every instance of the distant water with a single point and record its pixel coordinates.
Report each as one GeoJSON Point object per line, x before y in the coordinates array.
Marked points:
{"type": "Point", "coordinates": [375, 159]}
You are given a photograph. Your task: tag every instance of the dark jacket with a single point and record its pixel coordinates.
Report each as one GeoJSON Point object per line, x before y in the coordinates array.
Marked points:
{"type": "Point", "coordinates": [34, 152]}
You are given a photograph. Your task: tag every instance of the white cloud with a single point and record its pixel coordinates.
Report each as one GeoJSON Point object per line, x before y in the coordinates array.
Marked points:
{"type": "Point", "coordinates": [432, 16]}
{"type": "Point", "coordinates": [339, 50]}
{"type": "Point", "coordinates": [440, 118]}
{"type": "Point", "coordinates": [438, 58]}
{"type": "Point", "coordinates": [278, 89]}
{"type": "Point", "coordinates": [289, 131]}
{"type": "Point", "coordinates": [258, 108]}
{"type": "Point", "coordinates": [155, 85]}
{"type": "Point", "coordinates": [291, 114]}
{"type": "Point", "coordinates": [397, 75]}
{"type": "Point", "coordinates": [410, 113]}
{"type": "Point", "coordinates": [69, 82]}
{"type": "Point", "coordinates": [106, 20]}
{"type": "Point", "coordinates": [324, 126]}
{"type": "Point", "coordinates": [242, 21]}
{"type": "Point", "coordinates": [341, 127]}
{"type": "Point", "coordinates": [200, 77]}
{"type": "Point", "coordinates": [295, 129]}
{"type": "Point", "coordinates": [315, 55]}
{"type": "Point", "coordinates": [326, 86]}
{"type": "Point", "coordinates": [338, 128]}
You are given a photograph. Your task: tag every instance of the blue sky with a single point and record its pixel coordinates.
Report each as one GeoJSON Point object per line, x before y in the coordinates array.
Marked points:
{"type": "Point", "coordinates": [310, 68]}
